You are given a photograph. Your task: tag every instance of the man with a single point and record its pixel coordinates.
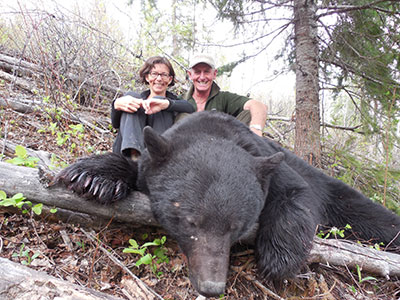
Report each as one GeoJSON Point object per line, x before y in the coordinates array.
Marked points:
{"type": "Point", "coordinates": [205, 94]}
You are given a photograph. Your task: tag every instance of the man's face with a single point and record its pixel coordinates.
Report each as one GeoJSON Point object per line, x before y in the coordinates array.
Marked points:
{"type": "Point", "coordinates": [202, 76]}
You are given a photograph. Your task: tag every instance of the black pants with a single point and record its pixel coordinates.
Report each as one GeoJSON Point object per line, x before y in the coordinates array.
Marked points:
{"type": "Point", "coordinates": [130, 134]}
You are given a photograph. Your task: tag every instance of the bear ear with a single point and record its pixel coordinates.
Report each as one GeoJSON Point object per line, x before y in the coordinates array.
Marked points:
{"type": "Point", "coordinates": [265, 167]}
{"type": "Point", "coordinates": [157, 146]}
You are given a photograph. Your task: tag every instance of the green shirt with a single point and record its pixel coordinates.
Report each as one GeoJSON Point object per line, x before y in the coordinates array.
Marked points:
{"type": "Point", "coordinates": [226, 102]}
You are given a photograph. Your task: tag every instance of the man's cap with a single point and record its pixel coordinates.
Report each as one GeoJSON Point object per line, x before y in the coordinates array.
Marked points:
{"type": "Point", "coordinates": [202, 58]}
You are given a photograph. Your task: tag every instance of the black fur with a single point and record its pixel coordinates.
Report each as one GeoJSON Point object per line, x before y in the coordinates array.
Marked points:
{"type": "Point", "coordinates": [210, 180]}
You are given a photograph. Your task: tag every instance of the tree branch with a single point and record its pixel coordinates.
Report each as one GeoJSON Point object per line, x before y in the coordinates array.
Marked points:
{"type": "Point", "coordinates": [347, 8]}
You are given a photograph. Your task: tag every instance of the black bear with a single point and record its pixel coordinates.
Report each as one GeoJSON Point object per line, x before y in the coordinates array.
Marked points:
{"type": "Point", "coordinates": [211, 181]}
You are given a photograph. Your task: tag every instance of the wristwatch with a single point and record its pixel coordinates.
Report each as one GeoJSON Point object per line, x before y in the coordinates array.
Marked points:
{"type": "Point", "coordinates": [256, 126]}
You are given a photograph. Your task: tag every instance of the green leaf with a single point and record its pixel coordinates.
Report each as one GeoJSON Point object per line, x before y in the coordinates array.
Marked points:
{"type": "Point", "coordinates": [37, 209]}
{"type": "Point", "coordinates": [35, 255]}
{"type": "Point", "coordinates": [3, 195]}
{"type": "Point", "coordinates": [18, 197]}
{"type": "Point", "coordinates": [20, 151]}
{"type": "Point", "coordinates": [146, 260]}
{"type": "Point", "coordinates": [7, 202]}
{"type": "Point", "coordinates": [160, 253]}
{"type": "Point", "coordinates": [159, 274]}
{"type": "Point", "coordinates": [133, 243]}
{"type": "Point", "coordinates": [145, 245]}
{"type": "Point", "coordinates": [134, 251]}
{"type": "Point", "coordinates": [367, 278]}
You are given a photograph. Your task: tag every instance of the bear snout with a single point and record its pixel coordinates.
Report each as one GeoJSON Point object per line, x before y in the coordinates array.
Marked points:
{"type": "Point", "coordinates": [209, 263]}
{"type": "Point", "coordinates": [211, 288]}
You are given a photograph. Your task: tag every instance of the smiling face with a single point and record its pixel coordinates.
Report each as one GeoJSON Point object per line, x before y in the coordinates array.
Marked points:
{"type": "Point", "coordinates": [159, 78]}
{"type": "Point", "coordinates": [202, 76]}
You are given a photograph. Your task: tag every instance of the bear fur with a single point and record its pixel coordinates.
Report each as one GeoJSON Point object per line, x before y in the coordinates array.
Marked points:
{"type": "Point", "coordinates": [210, 181]}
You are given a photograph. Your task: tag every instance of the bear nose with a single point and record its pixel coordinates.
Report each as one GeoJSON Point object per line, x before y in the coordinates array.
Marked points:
{"type": "Point", "coordinates": [211, 288]}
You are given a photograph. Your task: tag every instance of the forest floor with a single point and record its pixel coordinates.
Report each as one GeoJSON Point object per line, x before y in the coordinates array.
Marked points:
{"type": "Point", "coordinates": [65, 250]}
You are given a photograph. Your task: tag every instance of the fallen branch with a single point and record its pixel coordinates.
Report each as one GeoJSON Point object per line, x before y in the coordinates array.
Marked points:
{"type": "Point", "coordinates": [291, 119]}
{"type": "Point", "coordinates": [350, 254]}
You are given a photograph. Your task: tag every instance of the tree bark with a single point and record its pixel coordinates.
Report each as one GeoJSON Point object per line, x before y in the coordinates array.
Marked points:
{"type": "Point", "coordinates": [307, 137]}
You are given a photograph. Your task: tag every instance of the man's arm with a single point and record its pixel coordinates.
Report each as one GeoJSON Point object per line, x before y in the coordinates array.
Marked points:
{"type": "Point", "coordinates": [258, 112]}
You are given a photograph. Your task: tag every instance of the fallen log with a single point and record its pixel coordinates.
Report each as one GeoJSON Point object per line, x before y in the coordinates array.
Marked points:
{"type": "Point", "coordinates": [17, 66]}
{"type": "Point", "coordinates": [20, 82]}
{"type": "Point", "coordinates": [29, 106]}
{"type": "Point", "coordinates": [20, 105]}
{"type": "Point", "coordinates": [20, 282]}
{"type": "Point", "coordinates": [32, 183]}
{"type": "Point", "coordinates": [135, 210]}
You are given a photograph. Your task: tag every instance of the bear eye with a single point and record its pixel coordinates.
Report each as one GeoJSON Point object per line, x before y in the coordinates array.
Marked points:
{"type": "Point", "coordinates": [191, 221]}
{"type": "Point", "coordinates": [234, 227]}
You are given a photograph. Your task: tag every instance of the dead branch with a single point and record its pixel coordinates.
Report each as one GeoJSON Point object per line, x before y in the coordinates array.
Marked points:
{"type": "Point", "coordinates": [350, 254]}
{"type": "Point", "coordinates": [289, 120]}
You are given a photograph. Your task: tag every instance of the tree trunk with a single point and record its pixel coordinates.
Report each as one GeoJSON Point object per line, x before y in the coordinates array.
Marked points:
{"type": "Point", "coordinates": [307, 139]}
{"type": "Point", "coordinates": [175, 44]}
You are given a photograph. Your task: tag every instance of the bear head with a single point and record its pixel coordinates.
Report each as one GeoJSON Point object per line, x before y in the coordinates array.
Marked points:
{"type": "Point", "coordinates": [207, 193]}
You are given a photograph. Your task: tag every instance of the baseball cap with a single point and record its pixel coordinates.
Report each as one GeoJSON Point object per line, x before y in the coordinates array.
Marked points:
{"type": "Point", "coordinates": [202, 58]}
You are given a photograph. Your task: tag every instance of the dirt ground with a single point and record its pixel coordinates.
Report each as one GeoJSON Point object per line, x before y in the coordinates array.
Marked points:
{"type": "Point", "coordinates": [65, 250]}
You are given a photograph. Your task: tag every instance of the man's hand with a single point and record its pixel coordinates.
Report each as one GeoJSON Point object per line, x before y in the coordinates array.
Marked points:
{"type": "Point", "coordinates": [257, 131]}
{"type": "Point", "coordinates": [154, 105]}
{"type": "Point", "coordinates": [128, 104]}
